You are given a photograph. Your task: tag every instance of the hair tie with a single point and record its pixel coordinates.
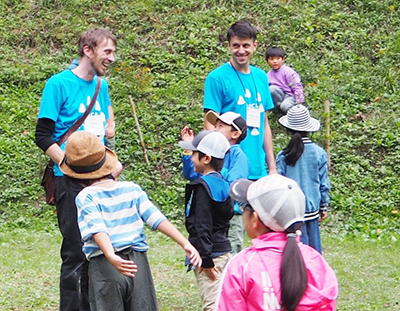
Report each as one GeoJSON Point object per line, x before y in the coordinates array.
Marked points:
{"type": "Point", "coordinates": [294, 235]}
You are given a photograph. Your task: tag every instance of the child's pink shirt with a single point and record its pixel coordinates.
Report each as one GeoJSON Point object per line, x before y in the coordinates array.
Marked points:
{"type": "Point", "coordinates": [251, 278]}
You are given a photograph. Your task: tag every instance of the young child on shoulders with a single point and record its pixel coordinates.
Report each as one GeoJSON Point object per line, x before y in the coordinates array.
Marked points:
{"type": "Point", "coordinates": [306, 163]}
{"type": "Point", "coordinates": [285, 83]}
{"type": "Point", "coordinates": [236, 164]}
{"type": "Point", "coordinates": [111, 217]}
{"type": "Point", "coordinates": [277, 272]}
{"type": "Point", "coordinates": [208, 210]}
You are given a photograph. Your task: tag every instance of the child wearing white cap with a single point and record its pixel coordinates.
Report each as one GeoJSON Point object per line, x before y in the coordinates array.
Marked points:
{"type": "Point", "coordinates": [276, 272]}
{"type": "Point", "coordinates": [208, 210]}
{"type": "Point", "coordinates": [306, 163]}
{"type": "Point", "coordinates": [236, 164]}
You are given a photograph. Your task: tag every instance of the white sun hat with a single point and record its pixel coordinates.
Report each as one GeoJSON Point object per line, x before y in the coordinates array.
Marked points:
{"type": "Point", "coordinates": [298, 119]}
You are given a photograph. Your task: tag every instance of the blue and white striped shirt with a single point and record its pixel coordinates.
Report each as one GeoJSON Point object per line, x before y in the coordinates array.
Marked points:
{"type": "Point", "coordinates": [120, 211]}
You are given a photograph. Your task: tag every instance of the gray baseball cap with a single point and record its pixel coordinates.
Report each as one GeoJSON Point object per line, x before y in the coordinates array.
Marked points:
{"type": "Point", "coordinates": [211, 143]}
{"type": "Point", "coordinates": [278, 200]}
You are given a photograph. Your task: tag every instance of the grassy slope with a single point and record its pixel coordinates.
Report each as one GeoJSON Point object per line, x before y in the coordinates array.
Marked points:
{"type": "Point", "coordinates": [367, 272]}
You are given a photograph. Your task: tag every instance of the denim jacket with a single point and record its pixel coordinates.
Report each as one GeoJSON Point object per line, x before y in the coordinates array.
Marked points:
{"type": "Point", "coordinates": [311, 173]}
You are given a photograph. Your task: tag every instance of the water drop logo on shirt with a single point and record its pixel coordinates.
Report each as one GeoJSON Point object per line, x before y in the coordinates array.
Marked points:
{"type": "Point", "coordinates": [82, 108]}
{"type": "Point", "coordinates": [241, 101]}
{"type": "Point", "coordinates": [255, 132]}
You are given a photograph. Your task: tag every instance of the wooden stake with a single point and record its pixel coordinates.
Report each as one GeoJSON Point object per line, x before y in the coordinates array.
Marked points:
{"type": "Point", "coordinates": [138, 129]}
{"type": "Point", "coordinates": [327, 131]}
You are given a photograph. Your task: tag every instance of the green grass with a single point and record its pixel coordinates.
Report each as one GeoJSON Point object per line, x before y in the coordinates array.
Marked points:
{"type": "Point", "coordinates": [30, 265]}
{"type": "Point", "coordinates": [368, 272]}
{"type": "Point", "coordinates": [345, 51]}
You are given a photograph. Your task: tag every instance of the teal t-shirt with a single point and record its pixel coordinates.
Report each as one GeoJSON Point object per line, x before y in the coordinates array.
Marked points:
{"type": "Point", "coordinates": [229, 90]}
{"type": "Point", "coordinates": [65, 99]}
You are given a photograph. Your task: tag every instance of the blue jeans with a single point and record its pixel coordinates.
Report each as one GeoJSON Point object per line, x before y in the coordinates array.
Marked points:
{"type": "Point", "coordinates": [74, 280]}
{"type": "Point", "coordinates": [281, 100]}
{"type": "Point", "coordinates": [310, 234]}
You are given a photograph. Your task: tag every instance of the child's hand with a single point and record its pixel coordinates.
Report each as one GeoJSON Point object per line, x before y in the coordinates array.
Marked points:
{"type": "Point", "coordinates": [210, 272]}
{"type": "Point", "coordinates": [117, 170]}
{"type": "Point", "coordinates": [186, 134]}
{"type": "Point", "coordinates": [193, 255]}
{"type": "Point", "coordinates": [125, 267]}
{"type": "Point", "coordinates": [322, 215]}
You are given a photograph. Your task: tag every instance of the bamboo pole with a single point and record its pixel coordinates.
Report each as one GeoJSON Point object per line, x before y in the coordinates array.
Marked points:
{"type": "Point", "coordinates": [327, 131]}
{"type": "Point", "coordinates": [138, 129]}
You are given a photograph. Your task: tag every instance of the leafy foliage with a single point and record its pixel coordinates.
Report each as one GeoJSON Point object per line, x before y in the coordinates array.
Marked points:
{"type": "Point", "coordinates": [345, 51]}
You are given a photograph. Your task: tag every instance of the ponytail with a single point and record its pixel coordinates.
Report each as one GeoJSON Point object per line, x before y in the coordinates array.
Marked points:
{"type": "Point", "coordinates": [294, 149]}
{"type": "Point", "coordinates": [293, 274]}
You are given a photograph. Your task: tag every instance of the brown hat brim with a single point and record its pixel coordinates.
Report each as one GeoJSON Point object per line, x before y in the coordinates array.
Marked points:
{"type": "Point", "coordinates": [212, 117]}
{"type": "Point", "coordinates": [108, 167]}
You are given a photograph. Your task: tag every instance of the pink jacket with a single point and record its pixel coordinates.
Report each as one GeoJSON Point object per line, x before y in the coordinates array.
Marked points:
{"type": "Point", "coordinates": [251, 278]}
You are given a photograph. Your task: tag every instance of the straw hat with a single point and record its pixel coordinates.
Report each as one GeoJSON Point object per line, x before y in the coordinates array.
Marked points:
{"type": "Point", "coordinates": [298, 119]}
{"type": "Point", "coordinates": [86, 157]}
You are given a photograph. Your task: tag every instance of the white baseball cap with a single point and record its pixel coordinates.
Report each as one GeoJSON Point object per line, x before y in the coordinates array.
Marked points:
{"type": "Point", "coordinates": [230, 118]}
{"type": "Point", "coordinates": [278, 200]}
{"type": "Point", "coordinates": [211, 143]}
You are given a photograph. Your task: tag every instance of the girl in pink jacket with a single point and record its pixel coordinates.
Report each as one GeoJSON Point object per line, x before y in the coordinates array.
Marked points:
{"type": "Point", "coordinates": [277, 272]}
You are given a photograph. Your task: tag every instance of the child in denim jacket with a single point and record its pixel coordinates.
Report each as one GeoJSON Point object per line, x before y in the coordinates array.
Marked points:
{"type": "Point", "coordinates": [306, 163]}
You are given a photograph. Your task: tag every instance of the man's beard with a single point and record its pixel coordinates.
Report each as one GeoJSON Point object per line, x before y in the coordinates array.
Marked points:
{"type": "Point", "coordinates": [95, 69]}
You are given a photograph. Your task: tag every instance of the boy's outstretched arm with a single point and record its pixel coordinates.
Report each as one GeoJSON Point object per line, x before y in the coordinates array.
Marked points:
{"type": "Point", "coordinates": [169, 229]}
{"type": "Point", "coordinates": [125, 267]}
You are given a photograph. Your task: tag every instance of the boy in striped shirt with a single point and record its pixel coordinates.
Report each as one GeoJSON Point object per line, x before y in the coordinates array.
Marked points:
{"type": "Point", "coordinates": [111, 217]}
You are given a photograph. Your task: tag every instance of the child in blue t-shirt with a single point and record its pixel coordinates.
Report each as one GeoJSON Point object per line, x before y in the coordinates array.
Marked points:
{"type": "Point", "coordinates": [236, 164]}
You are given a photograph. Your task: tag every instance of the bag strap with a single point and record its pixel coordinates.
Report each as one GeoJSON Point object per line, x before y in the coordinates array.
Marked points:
{"type": "Point", "coordinates": [79, 122]}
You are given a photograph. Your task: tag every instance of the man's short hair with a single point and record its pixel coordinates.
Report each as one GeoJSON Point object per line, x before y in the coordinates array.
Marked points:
{"type": "Point", "coordinates": [274, 51]}
{"type": "Point", "coordinates": [242, 29]}
{"type": "Point", "coordinates": [93, 37]}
